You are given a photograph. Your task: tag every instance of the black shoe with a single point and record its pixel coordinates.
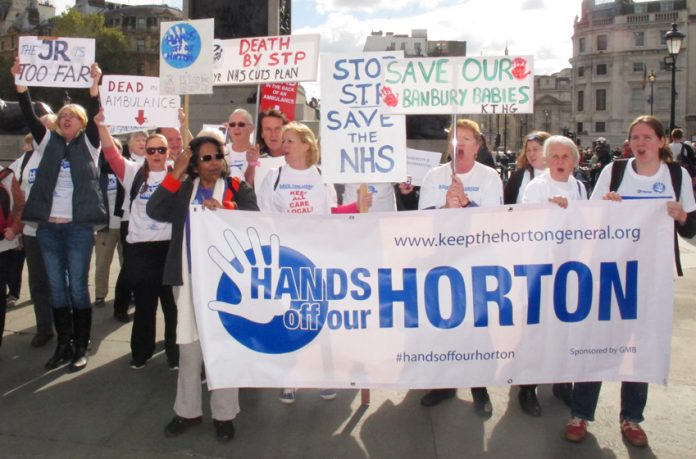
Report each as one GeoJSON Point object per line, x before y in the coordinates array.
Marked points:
{"type": "Point", "coordinates": [179, 425]}
{"type": "Point", "coordinates": [529, 402]}
{"type": "Point", "coordinates": [435, 396]}
{"type": "Point", "coordinates": [482, 402]}
{"type": "Point", "coordinates": [40, 339]}
{"type": "Point", "coordinates": [224, 430]}
{"type": "Point", "coordinates": [122, 317]}
{"type": "Point", "coordinates": [99, 302]}
{"type": "Point", "coordinates": [563, 392]}
{"type": "Point", "coordinates": [63, 354]}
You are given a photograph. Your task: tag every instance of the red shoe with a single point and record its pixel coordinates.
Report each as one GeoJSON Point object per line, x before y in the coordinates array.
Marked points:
{"type": "Point", "coordinates": [576, 429]}
{"type": "Point", "coordinates": [633, 433]}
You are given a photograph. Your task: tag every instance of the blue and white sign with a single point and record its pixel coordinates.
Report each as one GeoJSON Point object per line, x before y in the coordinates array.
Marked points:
{"type": "Point", "coordinates": [186, 57]}
{"type": "Point", "coordinates": [444, 298]}
{"type": "Point", "coordinates": [358, 142]}
{"type": "Point", "coordinates": [55, 62]}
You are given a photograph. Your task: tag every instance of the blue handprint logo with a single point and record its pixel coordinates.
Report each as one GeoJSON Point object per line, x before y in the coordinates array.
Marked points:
{"type": "Point", "coordinates": [260, 298]}
{"type": "Point", "coordinates": [181, 45]}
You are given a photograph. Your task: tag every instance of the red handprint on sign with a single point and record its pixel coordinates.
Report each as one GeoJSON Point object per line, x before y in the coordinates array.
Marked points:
{"type": "Point", "coordinates": [389, 98]}
{"type": "Point", "coordinates": [519, 69]}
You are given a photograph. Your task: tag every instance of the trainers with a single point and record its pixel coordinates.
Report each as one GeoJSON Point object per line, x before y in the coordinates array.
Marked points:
{"type": "Point", "coordinates": [224, 430]}
{"type": "Point", "coordinates": [287, 396]}
{"type": "Point", "coordinates": [634, 433]}
{"type": "Point", "coordinates": [173, 366]}
{"type": "Point", "coordinates": [327, 394]}
{"type": "Point", "coordinates": [576, 429]}
{"type": "Point", "coordinates": [179, 425]}
{"type": "Point", "coordinates": [136, 365]}
{"type": "Point", "coordinates": [99, 302]}
{"type": "Point", "coordinates": [11, 301]}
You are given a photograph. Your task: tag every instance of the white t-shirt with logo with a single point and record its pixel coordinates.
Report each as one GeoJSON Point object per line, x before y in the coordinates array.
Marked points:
{"type": "Point", "coordinates": [297, 192]}
{"type": "Point", "coordinates": [482, 185]}
{"type": "Point", "coordinates": [658, 186]}
{"type": "Point", "coordinates": [237, 161]}
{"type": "Point", "coordinates": [544, 187]}
{"type": "Point", "coordinates": [142, 228]}
{"type": "Point", "coordinates": [383, 199]}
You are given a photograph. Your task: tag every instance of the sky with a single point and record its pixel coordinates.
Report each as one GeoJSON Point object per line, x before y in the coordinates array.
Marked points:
{"type": "Point", "coordinates": [541, 28]}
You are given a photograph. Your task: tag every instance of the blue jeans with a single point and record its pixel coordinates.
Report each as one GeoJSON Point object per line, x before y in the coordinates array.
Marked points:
{"type": "Point", "coordinates": [634, 396]}
{"type": "Point", "coordinates": [67, 250]}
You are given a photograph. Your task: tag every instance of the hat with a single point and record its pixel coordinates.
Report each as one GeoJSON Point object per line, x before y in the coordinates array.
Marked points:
{"type": "Point", "coordinates": [601, 140]}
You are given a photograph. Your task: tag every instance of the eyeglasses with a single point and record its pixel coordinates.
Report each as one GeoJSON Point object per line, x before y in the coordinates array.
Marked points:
{"type": "Point", "coordinates": [534, 137]}
{"type": "Point", "coordinates": [218, 156]}
{"type": "Point", "coordinates": [234, 124]}
{"type": "Point", "coordinates": [153, 150]}
{"type": "Point", "coordinates": [69, 115]}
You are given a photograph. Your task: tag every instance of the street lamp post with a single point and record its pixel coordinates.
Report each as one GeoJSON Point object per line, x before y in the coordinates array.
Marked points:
{"type": "Point", "coordinates": [651, 79]}
{"type": "Point", "coordinates": [674, 40]}
{"type": "Point", "coordinates": [547, 115]}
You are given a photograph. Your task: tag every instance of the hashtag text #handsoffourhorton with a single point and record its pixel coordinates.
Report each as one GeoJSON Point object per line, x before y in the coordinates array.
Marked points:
{"type": "Point", "coordinates": [453, 356]}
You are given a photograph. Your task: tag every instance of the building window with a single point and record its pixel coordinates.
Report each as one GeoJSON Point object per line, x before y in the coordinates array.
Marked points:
{"type": "Point", "coordinates": [141, 23]}
{"type": "Point", "coordinates": [579, 128]}
{"type": "Point", "coordinates": [141, 69]}
{"type": "Point", "coordinates": [662, 39]}
{"type": "Point", "coordinates": [418, 48]}
{"type": "Point", "coordinates": [662, 98]}
{"type": "Point", "coordinates": [581, 72]}
{"type": "Point", "coordinates": [601, 100]}
{"type": "Point", "coordinates": [639, 38]}
{"type": "Point", "coordinates": [640, 8]}
{"type": "Point", "coordinates": [602, 42]}
{"type": "Point", "coordinates": [667, 6]}
{"type": "Point", "coordinates": [601, 69]}
{"type": "Point", "coordinates": [638, 67]}
{"type": "Point", "coordinates": [581, 45]}
{"type": "Point", "coordinates": [151, 22]}
{"type": "Point", "coordinates": [129, 21]}
{"type": "Point", "coordinates": [637, 100]}
{"type": "Point", "coordinates": [600, 126]}
{"type": "Point", "coordinates": [140, 45]}
{"type": "Point", "coordinates": [581, 101]}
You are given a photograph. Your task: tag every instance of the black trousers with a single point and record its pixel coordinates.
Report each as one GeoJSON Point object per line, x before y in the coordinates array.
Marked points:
{"type": "Point", "coordinates": [5, 260]}
{"type": "Point", "coordinates": [123, 290]}
{"type": "Point", "coordinates": [145, 269]}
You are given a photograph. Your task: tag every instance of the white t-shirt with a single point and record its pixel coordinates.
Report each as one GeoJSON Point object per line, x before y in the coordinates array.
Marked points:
{"type": "Point", "coordinates": [544, 187]}
{"type": "Point", "coordinates": [658, 186]}
{"type": "Point", "coordinates": [297, 192]}
{"type": "Point", "coordinates": [383, 199]}
{"type": "Point", "coordinates": [482, 184]}
{"type": "Point", "coordinates": [236, 160]}
{"type": "Point", "coordinates": [111, 189]}
{"type": "Point", "coordinates": [28, 179]}
{"type": "Point", "coordinates": [525, 182]}
{"type": "Point", "coordinates": [142, 228]}
{"type": "Point", "coordinates": [61, 206]}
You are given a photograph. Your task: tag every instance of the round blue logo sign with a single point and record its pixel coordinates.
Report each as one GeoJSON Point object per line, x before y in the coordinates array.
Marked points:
{"type": "Point", "coordinates": [659, 187]}
{"type": "Point", "coordinates": [181, 45]}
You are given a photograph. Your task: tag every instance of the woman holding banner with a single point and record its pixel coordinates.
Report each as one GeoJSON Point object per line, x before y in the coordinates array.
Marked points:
{"type": "Point", "coordinates": [461, 183]}
{"type": "Point", "coordinates": [199, 177]}
{"type": "Point", "coordinates": [530, 163]}
{"type": "Point", "coordinates": [67, 204]}
{"type": "Point", "coordinates": [650, 174]}
{"type": "Point", "coordinates": [296, 187]}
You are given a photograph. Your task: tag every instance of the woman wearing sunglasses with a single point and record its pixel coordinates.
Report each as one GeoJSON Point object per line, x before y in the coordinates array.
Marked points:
{"type": "Point", "coordinates": [67, 204]}
{"type": "Point", "coordinates": [241, 153]}
{"type": "Point", "coordinates": [148, 243]}
{"type": "Point", "coordinates": [531, 163]}
{"type": "Point", "coordinates": [207, 184]}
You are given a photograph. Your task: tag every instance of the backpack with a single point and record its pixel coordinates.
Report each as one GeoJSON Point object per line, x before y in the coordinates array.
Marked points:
{"type": "Point", "coordinates": [5, 202]}
{"type": "Point", "coordinates": [687, 159]}
{"type": "Point", "coordinates": [675, 175]}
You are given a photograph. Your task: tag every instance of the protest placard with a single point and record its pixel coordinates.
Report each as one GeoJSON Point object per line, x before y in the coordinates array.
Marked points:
{"type": "Point", "coordinates": [279, 96]}
{"type": "Point", "coordinates": [55, 62]}
{"type": "Point", "coordinates": [465, 85]}
{"type": "Point", "coordinates": [359, 143]}
{"type": "Point", "coordinates": [443, 298]}
{"type": "Point", "coordinates": [284, 58]}
{"type": "Point", "coordinates": [419, 162]}
{"type": "Point", "coordinates": [136, 101]}
{"type": "Point", "coordinates": [186, 57]}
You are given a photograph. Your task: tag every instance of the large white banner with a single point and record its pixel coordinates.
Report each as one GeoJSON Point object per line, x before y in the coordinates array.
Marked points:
{"type": "Point", "coordinates": [442, 298]}
{"type": "Point", "coordinates": [447, 85]}
{"type": "Point", "coordinates": [186, 57]}
{"type": "Point", "coordinates": [55, 62]}
{"type": "Point", "coordinates": [358, 142]}
{"type": "Point", "coordinates": [283, 58]}
{"type": "Point", "coordinates": [136, 101]}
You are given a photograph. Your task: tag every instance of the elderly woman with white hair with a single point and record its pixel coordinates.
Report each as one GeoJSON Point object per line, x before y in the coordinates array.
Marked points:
{"type": "Point", "coordinates": [240, 153]}
{"type": "Point", "coordinates": [557, 185]}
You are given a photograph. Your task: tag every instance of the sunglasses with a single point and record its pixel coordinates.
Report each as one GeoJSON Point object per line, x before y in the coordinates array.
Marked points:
{"type": "Point", "coordinates": [534, 137]}
{"type": "Point", "coordinates": [234, 124]}
{"type": "Point", "coordinates": [153, 150]}
{"type": "Point", "coordinates": [218, 156]}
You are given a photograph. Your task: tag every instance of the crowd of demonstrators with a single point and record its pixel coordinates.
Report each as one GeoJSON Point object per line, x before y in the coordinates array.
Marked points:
{"type": "Point", "coordinates": [463, 182]}
{"type": "Point", "coordinates": [67, 204]}
{"type": "Point", "coordinates": [200, 177]}
{"type": "Point", "coordinates": [70, 193]}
